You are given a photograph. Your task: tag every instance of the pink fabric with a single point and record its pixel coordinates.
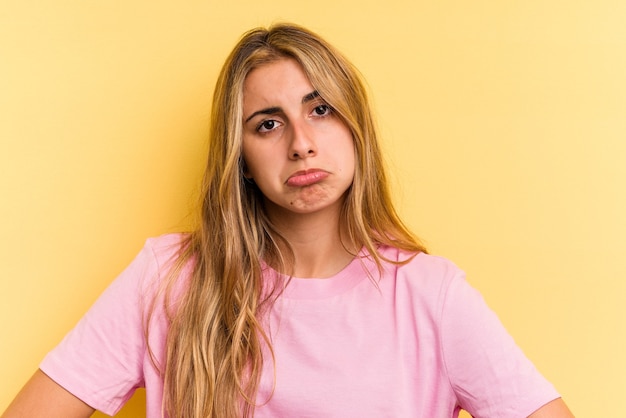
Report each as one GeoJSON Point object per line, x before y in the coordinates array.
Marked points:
{"type": "Point", "coordinates": [419, 343]}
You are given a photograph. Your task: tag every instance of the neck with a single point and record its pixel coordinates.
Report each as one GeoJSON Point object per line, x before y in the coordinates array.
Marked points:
{"type": "Point", "coordinates": [317, 243]}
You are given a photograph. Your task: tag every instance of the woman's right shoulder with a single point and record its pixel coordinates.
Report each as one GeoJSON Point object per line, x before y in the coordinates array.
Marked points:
{"type": "Point", "coordinates": [166, 249]}
{"type": "Point", "coordinates": [167, 246]}
{"type": "Point", "coordinates": [159, 256]}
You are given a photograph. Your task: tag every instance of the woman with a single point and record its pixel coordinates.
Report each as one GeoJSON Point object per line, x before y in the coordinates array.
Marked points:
{"type": "Point", "coordinates": [300, 293]}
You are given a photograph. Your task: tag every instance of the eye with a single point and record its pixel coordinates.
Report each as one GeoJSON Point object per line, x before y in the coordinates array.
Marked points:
{"type": "Point", "coordinates": [267, 125]}
{"type": "Point", "coordinates": [322, 110]}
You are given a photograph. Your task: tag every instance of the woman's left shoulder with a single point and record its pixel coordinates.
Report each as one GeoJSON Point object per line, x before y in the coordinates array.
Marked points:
{"type": "Point", "coordinates": [420, 272]}
{"type": "Point", "coordinates": [420, 264]}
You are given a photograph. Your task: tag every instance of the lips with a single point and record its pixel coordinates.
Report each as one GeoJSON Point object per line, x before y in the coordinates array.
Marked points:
{"type": "Point", "coordinates": [306, 177]}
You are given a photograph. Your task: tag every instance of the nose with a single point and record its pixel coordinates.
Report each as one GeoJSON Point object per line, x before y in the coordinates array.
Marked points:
{"type": "Point", "coordinates": [302, 143]}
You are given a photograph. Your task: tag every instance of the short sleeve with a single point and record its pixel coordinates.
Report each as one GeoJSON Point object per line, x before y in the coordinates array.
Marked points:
{"type": "Point", "coordinates": [101, 360]}
{"type": "Point", "coordinates": [489, 373]}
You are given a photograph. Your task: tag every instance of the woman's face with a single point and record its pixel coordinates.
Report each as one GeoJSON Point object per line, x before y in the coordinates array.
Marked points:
{"type": "Point", "coordinates": [296, 149]}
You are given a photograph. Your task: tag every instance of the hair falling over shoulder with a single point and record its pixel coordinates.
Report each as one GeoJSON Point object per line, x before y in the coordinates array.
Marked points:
{"type": "Point", "coordinates": [216, 340]}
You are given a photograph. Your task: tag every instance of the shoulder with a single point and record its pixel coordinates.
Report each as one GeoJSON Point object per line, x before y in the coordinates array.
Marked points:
{"type": "Point", "coordinates": [162, 252]}
{"type": "Point", "coordinates": [420, 269]}
{"type": "Point", "coordinates": [145, 273]}
{"type": "Point", "coordinates": [421, 280]}
{"type": "Point", "coordinates": [165, 247]}
{"type": "Point", "coordinates": [159, 256]}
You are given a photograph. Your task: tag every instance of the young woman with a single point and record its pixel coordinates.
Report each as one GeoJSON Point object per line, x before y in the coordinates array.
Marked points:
{"type": "Point", "coordinates": [300, 293]}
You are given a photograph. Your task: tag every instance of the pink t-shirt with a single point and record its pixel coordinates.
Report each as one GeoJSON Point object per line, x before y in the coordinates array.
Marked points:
{"type": "Point", "coordinates": [419, 343]}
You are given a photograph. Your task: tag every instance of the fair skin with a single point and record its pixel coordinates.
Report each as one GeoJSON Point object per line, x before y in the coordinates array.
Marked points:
{"type": "Point", "coordinates": [42, 397]}
{"type": "Point", "coordinates": [302, 158]}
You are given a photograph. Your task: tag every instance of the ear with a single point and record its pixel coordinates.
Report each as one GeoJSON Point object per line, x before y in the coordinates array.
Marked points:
{"type": "Point", "coordinates": [244, 170]}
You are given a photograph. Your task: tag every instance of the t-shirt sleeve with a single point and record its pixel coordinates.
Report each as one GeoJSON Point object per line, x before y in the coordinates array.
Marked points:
{"type": "Point", "coordinates": [101, 360]}
{"type": "Point", "coordinates": [489, 373]}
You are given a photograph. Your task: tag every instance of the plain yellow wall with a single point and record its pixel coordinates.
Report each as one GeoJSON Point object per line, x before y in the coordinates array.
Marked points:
{"type": "Point", "coordinates": [504, 121]}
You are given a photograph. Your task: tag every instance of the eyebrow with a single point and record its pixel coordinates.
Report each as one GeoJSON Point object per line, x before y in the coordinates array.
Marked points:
{"type": "Point", "coordinates": [312, 95]}
{"type": "Point", "coordinates": [273, 110]}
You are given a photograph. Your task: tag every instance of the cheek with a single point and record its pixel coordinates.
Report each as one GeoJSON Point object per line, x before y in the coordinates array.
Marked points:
{"type": "Point", "coordinates": [351, 160]}
{"type": "Point", "coordinates": [257, 163]}
{"type": "Point", "coordinates": [247, 160]}
{"type": "Point", "coordinates": [349, 153]}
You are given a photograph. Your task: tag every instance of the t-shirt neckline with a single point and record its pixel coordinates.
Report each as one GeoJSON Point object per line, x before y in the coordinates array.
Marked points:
{"type": "Point", "coordinates": [319, 288]}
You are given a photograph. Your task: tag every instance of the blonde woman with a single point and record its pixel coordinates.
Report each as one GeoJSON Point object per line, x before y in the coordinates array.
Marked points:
{"type": "Point", "coordinates": [300, 293]}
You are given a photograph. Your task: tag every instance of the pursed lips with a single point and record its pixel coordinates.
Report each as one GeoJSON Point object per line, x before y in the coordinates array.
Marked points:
{"type": "Point", "coordinates": [306, 177]}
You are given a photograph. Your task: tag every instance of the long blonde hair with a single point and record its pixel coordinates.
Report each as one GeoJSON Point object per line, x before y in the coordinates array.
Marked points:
{"type": "Point", "coordinates": [215, 340]}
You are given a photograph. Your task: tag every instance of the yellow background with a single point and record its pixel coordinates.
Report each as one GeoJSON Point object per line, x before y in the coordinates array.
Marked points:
{"type": "Point", "coordinates": [504, 121]}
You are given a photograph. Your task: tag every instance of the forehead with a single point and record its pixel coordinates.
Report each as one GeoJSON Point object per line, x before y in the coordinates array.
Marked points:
{"type": "Point", "coordinates": [277, 80]}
